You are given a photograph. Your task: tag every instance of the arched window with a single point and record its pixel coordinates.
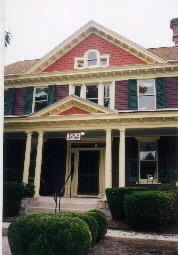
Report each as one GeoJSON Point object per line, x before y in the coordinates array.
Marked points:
{"type": "Point", "coordinates": [91, 59]}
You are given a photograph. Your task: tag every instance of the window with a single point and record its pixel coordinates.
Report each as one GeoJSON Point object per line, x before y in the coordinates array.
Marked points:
{"type": "Point", "coordinates": [97, 93]}
{"type": "Point", "coordinates": [40, 98]}
{"type": "Point", "coordinates": [107, 95]}
{"type": "Point", "coordinates": [146, 95]}
{"type": "Point", "coordinates": [92, 93]}
{"type": "Point", "coordinates": [91, 58]}
{"type": "Point", "coordinates": [148, 160]}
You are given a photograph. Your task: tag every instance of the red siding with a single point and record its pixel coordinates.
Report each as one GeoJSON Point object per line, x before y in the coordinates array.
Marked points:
{"type": "Point", "coordinates": [19, 101]}
{"type": "Point", "coordinates": [172, 92]}
{"type": "Point", "coordinates": [118, 56]}
{"type": "Point", "coordinates": [74, 110]}
{"type": "Point", "coordinates": [121, 95]}
{"type": "Point", "coordinates": [62, 91]}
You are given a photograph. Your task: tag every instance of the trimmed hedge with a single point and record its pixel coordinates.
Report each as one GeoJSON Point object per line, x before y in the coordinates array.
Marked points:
{"type": "Point", "coordinates": [115, 199]}
{"type": "Point", "coordinates": [13, 193]}
{"type": "Point", "coordinates": [87, 218]}
{"type": "Point", "coordinates": [102, 223]}
{"type": "Point", "coordinates": [49, 234]}
{"type": "Point", "coordinates": [150, 210]}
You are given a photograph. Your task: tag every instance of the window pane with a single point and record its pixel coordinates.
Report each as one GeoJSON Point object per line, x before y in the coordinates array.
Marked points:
{"type": "Point", "coordinates": [148, 155]}
{"type": "Point", "coordinates": [146, 87]}
{"type": "Point", "coordinates": [91, 56]}
{"type": "Point", "coordinates": [40, 105]}
{"type": "Point", "coordinates": [103, 61]}
{"type": "Point", "coordinates": [41, 94]}
{"type": "Point", "coordinates": [80, 63]}
{"type": "Point", "coordinates": [147, 103]}
{"type": "Point", "coordinates": [106, 90]}
{"type": "Point", "coordinates": [147, 169]}
{"type": "Point", "coordinates": [148, 146]}
{"type": "Point", "coordinates": [92, 62]}
{"type": "Point", "coordinates": [107, 102]}
{"type": "Point", "coordinates": [77, 90]}
{"type": "Point", "coordinates": [92, 91]}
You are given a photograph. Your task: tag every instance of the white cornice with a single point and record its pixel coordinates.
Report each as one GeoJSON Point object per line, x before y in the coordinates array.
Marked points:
{"type": "Point", "coordinates": [130, 71]}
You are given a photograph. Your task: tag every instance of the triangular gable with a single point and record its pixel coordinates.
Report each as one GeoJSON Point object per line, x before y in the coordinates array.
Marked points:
{"type": "Point", "coordinates": [93, 27]}
{"type": "Point", "coordinates": [71, 105]}
{"type": "Point", "coordinates": [73, 110]}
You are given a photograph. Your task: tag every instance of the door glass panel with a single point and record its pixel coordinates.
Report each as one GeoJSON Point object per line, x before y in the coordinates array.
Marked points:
{"type": "Point", "coordinates": [88, 172]}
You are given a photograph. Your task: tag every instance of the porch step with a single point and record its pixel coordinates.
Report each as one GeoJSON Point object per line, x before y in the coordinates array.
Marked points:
{"type": "Point", "coordinates": [47, 204]}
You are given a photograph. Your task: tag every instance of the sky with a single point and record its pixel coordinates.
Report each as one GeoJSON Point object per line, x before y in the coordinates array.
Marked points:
{"type": "Point", "coordinates": [37, 26]}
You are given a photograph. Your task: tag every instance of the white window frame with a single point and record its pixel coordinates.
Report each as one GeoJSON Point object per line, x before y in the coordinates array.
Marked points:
{"type": "Point", "coordinates": [138, 95]}
{"type": "Point", "coordinates": [100, 91]}
{"type": "Point", "coordinates": [34, 101]}
{"type": "Point", "coordinates": [84, 59]}
{"type": "Point", "coordinates": [148, 139]}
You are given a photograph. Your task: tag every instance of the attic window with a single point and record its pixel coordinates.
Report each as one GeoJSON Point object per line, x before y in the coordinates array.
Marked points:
{"type": "Point", "coordinates": [91, 59]}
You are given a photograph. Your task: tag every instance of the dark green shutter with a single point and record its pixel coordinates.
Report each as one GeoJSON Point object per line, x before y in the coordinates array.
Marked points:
{"type": "Point", "coordinates": [132, 95]}
{"type": "Point", "coordinates": [51, 94]}
{"type": "Point", "coordinates": [28, 100]}
{"type": "Point", "coordinates": [9, 97]}
{"type": "Point", "coordinates": [160, 93]}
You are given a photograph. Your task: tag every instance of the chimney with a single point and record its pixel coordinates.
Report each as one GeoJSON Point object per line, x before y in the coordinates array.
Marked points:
{"type": "Point", "coordinates": [174, 26]}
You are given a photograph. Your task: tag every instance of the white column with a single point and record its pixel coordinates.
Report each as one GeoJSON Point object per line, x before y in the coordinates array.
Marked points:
{"type": "Point", "coordinates": [27, 157]}
{"type": "Point", "coordinates": [38, 163]}
{"type": "Point", "coordinates": [122, 158]}
{"type": "Point", "coordinates": [108, 160]}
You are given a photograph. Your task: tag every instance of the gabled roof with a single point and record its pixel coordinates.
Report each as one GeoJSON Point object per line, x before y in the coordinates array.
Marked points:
{"type": "Point", "coordinates": [83, 32]}
{"type": "Point", "coordinates": [19, 67]}
{"type": "Point", "coordinates": [60, 107]}
{"type": "Point", "coordinates": [169, 53]}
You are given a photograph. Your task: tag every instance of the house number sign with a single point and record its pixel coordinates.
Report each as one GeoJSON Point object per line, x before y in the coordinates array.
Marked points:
{"type": "Point", "coordinates": [73, 136]}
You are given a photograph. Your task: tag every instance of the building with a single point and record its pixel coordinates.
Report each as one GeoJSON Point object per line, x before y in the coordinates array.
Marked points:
{"type": "Point", "coordinates": [98, 105]}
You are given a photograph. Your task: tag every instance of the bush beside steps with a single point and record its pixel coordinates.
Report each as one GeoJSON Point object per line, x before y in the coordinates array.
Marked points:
{"type": "Point", "coordinates": [64, 233]}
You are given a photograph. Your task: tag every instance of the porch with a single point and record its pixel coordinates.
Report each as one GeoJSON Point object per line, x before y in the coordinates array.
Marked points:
{"type": "Point", "coordinates": [100, 159]}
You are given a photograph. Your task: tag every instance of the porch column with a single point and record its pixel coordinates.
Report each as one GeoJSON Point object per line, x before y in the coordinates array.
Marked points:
{"type": "Point", "coordinates": [38, 163]}
{"type": "Point", "coordinates": [27, 157]}
{"type": "Point", "coordinates": [108, 160]}
{"type": "Point", "coordinates": [122, 158]}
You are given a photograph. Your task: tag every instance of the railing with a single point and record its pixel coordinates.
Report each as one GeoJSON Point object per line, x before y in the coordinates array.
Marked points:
{"type": "Point", "coordinates": [56, 195]}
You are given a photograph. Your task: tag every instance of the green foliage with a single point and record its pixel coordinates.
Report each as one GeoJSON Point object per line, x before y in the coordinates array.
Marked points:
{"type": "Point", "coordinates": [90, 220]}
{"type": "Point", "coordinates": [87, 218]}
{"type": "Point", "coordinates": [150, 210]}
{"type": "Point", "coordinates": [13, 193]}
{"type": "Point", "coordinates": [102, 223]}
{"type": "Point", "coordinates": [49, 234]}
{"type": "Point", "coordinates": [115, 198]}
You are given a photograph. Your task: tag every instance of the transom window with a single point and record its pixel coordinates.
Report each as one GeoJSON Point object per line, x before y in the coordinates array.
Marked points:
{"type": "Point", "coordinates": [148, 160]}
{"type": "Point", "coordinates": [146, 95]}
{"type": "Point", "coordinates": [40, 98]}
{"type": "Point", "coordinates": [92, 58]}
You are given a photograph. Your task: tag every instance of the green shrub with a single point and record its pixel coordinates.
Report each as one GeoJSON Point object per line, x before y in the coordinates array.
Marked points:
{"type": "Point", "coordinates": [87, 218]}
{"type": "Point", "coordinates": [92, 224]}
{"type": "Point", "coordinates": [115, 199]}
{"type": "Point", "coordinates": [150, 210]}
{"type": "Point", "coordinates": [13, 193]}
{"type": "Point", "coordinates": [49, 234]}
{"type": "Point", "coordinates": [102, 223]}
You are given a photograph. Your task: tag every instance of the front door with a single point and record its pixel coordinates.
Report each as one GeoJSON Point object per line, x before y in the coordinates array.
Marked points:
{"type": "Point", "coordinates": [88, 172]}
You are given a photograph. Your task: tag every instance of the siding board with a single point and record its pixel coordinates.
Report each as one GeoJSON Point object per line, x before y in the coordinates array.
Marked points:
{"type": "Point", "coordinates": [19, 101]}
{"type": "Point", "coordinates": [121, 95]}
{"type": "Point", "coordinates": [62, 91]}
